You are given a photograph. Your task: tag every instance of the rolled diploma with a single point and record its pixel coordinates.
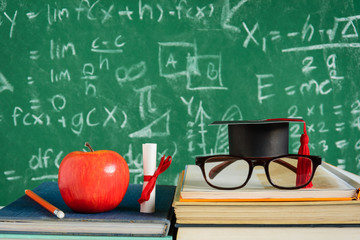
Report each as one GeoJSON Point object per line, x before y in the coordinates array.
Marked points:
{"type": "Point", "coordinates": [149, 165]}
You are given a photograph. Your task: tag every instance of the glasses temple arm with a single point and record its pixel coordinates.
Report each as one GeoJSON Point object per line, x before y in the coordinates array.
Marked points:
{"type": "Point", "coordinates": [287, 165]}
{"type": "Point", "coordinates": [217, 169]}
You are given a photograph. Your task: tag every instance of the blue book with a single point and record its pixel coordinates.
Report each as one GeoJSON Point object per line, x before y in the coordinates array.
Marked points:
{"type": "Point", "coordinates": [25, 216]}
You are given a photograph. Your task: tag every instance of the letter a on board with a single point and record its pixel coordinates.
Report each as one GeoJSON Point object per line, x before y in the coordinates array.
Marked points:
{"type": "Point", "coordinates": [171, 61]}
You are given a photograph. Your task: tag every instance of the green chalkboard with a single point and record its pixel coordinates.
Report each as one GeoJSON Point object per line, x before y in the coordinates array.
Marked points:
{"type": "Point", "coordinates": [122, 73]}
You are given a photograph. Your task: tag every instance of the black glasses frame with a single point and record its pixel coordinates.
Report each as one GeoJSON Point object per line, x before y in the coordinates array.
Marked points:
{"type": "Point", "coordinates": [260, 161]}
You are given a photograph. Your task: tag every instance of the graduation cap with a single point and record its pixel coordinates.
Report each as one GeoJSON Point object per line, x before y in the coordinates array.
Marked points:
{"type": "Point", "coordinates": [262, 138]}
{"type": "Point", "coordinates": [265, 138]}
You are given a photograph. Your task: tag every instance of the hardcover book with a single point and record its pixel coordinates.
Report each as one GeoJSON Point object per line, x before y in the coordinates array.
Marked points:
{"type": "Point", "coordinates": [26, 216]}
{"type": "Point", "coordinates": [268, 232]}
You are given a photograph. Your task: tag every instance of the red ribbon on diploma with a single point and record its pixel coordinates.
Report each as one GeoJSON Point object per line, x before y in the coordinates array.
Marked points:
{"type": "Point", "coordinates": [164, 164]}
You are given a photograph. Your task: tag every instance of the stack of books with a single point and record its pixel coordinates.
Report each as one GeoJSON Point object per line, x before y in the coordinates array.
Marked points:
{"type": "Point", "coordinates": [331, 207]}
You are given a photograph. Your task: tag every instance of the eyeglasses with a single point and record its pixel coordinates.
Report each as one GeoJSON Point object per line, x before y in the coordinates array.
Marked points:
{"type": "Point", "coordinates": [232, 172]}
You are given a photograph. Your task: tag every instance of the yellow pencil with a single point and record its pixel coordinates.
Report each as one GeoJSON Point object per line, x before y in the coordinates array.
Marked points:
{"type": "Point", "coordinates": [57, 212]}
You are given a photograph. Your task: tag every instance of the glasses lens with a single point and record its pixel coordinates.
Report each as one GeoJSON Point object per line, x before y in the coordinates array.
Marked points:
{"type": "Point", "coordinates": [226, 172]}
{"type": "Point", "coordinates": [289, 172]}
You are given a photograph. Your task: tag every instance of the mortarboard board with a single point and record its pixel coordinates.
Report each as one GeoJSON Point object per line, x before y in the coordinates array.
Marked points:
{"type": "Point", "coordinates": [261, 138]}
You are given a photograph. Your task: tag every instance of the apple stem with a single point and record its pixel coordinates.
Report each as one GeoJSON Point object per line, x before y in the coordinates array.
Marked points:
{"type": "Point", "coordinates": [88, 145]}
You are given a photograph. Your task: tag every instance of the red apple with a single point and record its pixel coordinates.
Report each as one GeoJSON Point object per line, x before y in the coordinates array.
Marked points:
{"type": "Point", "coordinates": [92, 182]}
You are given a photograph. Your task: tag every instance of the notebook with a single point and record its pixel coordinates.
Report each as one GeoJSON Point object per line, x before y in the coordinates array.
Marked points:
{"type": "Point", "coordinates": [26, 216]}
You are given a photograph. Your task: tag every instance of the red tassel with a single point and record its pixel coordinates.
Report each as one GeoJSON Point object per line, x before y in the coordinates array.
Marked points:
{"type": "Point", "coordinates": [304, 170]}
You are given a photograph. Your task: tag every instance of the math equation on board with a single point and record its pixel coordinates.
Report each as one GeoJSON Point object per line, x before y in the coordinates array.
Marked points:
{"type": "Point", "coordinates": [123, 73]}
